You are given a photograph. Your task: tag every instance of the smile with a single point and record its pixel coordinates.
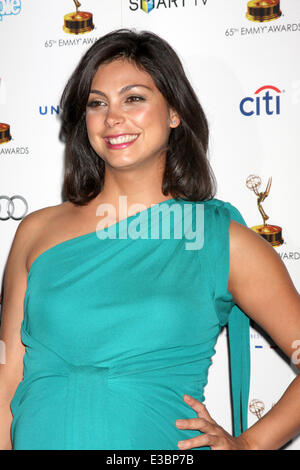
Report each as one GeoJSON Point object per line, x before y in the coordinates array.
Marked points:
{"type": "Point", "coordinates": [120, 142]}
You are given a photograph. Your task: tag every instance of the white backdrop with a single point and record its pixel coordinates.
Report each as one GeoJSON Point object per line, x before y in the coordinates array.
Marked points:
{"type": "Point", "coordinates": [227, 58]}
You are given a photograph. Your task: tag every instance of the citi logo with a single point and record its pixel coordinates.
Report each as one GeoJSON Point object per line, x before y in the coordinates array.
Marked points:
{"type": "Point", "coordinates": [9, 7]}
{"type": "Point", "coordinates": [265, 101]}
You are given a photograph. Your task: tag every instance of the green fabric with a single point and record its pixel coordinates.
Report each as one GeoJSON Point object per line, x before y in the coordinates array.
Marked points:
{"type": "Point", "coordinates": [238, 324]}
{"type": "Point", "coordinates": [118, 330]}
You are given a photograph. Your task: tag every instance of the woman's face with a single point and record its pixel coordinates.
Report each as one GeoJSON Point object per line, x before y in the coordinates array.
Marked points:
{"type": "Point", "coordinates": [127, 118]}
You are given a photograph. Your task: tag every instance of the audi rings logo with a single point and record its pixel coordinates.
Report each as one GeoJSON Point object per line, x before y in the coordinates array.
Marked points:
{"type": "Point", "coordinates": [12, 209]}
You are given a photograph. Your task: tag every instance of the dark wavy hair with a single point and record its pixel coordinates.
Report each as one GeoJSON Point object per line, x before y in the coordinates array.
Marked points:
{"type": "Point", "coordinates": [187, 172]}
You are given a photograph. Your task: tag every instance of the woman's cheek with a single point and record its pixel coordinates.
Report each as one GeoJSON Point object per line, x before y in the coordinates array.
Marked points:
{"type": "Point", "coordinates": [142, 115]}
{"type": "Point", "coordinates": [92, 122]}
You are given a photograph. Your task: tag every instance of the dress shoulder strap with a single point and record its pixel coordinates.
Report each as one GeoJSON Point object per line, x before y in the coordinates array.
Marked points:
{"type": "Point", "coordinates": [236, 321]}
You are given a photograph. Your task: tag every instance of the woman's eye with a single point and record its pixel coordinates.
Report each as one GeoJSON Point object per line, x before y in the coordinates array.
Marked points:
{"type": "Point", "coordinates": [94, 103]}
{"type": "Point", "coordinates": [135, 98]}
{"type": "Point", "coordinates": [100, 104]}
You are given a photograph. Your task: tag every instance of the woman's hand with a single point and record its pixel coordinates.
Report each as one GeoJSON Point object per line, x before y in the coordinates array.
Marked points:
{"type": "Point", "coordinates": [214, 435]}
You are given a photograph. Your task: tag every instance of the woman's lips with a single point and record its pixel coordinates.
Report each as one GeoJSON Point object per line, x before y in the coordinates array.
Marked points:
{"type": "Point", "coordinates": [119, 146]}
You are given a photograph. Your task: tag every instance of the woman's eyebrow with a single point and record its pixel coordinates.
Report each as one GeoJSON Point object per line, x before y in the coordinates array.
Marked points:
{"type": "Point", "coordinates": [123, 90]}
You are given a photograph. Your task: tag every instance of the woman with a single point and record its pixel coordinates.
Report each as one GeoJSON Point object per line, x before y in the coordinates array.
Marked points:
{"type": "Point", "coordinates": [119, 322]}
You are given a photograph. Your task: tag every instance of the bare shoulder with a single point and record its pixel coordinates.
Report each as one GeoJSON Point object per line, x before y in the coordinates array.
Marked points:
{"type": "Point", "coordinates": [50, 226]}
{"type": "Point", "coordinates": [251, 256]}
{"type": "Point", "coordinates": [35, 222]}
{"type": "Point", "coordinates": [22, 242]}
{"type": "Point", "coordinates": [246, 246]}
{"type": "Point", "coordinates": [35, 226]}
{"type": "Point", "coordinates": [26, 236]}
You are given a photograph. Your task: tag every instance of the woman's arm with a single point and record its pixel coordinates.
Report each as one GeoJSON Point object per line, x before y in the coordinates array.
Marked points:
{"type": "Point", "coordinates": [261, 286]}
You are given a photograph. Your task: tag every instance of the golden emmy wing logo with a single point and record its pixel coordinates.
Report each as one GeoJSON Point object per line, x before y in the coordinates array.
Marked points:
{"type": "Point", "coordinates": [263, 10]}
{"type": "Point", "coordinates": [78, 22]}
{"type": "Point", "coordinates": [4, 133]}
{"type": "Point", "coordinates": [272, 233]}
{"type": "Point", "coordinates": [257, 407]}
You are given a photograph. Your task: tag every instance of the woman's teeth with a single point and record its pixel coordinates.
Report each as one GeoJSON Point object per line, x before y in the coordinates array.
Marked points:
{"type": "Point", "coordinates": [122, 139]}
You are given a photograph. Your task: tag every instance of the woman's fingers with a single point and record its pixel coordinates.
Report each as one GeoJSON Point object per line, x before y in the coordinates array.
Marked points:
{"type": "Point", "coordinates": [200, 424]}
{"type": "Point", "coordinates": [199, 407]}
{"type": "Point", "coordinates": [199, 441]}
{"type": "Point", "coordinates": [214, 436]}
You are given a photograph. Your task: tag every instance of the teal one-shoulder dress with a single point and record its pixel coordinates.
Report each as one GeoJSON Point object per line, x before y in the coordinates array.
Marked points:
{"type": "Point", "coordinates": [118, 328]}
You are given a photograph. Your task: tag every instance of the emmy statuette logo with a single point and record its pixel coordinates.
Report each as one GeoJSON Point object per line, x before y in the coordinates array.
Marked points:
{"type": "Point", "coordinates": [263, 10]}
{"type": "Point", "coordinates": [4, 133]}
{"type": "Point", "coordinates": [272, 233]}
{"type": "Point", "coordinates": [78, 22]}
{"type": "Point", "coordinates": [257, 407]}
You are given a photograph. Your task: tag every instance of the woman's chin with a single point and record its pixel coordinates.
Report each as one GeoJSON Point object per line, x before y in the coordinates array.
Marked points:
{"type": "Point", "coordinates": [121, 163]}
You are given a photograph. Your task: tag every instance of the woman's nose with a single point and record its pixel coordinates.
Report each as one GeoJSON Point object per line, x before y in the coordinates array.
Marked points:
{"type": "Point", "coordinates": [113, 117]}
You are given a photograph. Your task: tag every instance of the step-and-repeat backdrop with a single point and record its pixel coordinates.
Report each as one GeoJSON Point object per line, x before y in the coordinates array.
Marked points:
{"type": "Point", "coordinates": [242, 60]}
